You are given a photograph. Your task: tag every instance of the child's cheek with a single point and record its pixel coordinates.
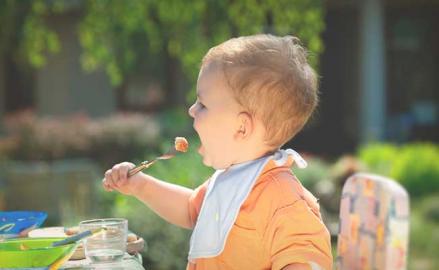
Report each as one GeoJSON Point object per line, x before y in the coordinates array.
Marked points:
{"type": "Point", "coordinates": [197, 124]}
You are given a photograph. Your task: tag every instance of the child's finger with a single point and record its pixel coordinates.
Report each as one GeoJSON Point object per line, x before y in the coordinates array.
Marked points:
{"type": "Point", "coordinates": [124, 169]}
{"type": "Point", "coordinates": [106, 186]}
{"type": "Point", "coordinates": [115, 174]}
{"type": "Point", "coordinates": [109, 178]}
{"type": "Point", "coordinates": [128, 165]}
{"type": "Point", "coordinates": [123, 175]}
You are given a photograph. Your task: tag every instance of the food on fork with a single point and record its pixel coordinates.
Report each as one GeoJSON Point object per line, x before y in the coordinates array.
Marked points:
{"type": "Point", "coordinates": [181, 144]}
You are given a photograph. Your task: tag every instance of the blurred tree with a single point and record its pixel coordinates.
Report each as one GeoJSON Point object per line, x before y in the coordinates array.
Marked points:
{"type": "Point", "coordinates": [24, 33]}
{"type": "Point", "coordinates": [121, 36]}
{"type": "Point", "coordinates": [25, 38]}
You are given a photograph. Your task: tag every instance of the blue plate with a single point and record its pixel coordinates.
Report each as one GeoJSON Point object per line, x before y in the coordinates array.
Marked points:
{"type": "Point", "coordinates": [12, 223]}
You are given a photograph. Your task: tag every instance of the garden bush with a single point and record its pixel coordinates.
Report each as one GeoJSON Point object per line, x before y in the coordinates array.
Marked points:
{"type": "Point", "coordinates": [417, 168]}
{"type": "Point", "coordinates": [378, 157]}
{"type": "Point", "coordinates": [429, 208]}
{"type": "Point", "coordinates": [414, 165]}
{"type": "Point", "coordinates": [424, 235]}
{"type": "Point", "coordinates": [122, 137]}
{"type": "Point", "coordinates": [316, 171]}
{"type": "Point", "coordinates": [29, 137]}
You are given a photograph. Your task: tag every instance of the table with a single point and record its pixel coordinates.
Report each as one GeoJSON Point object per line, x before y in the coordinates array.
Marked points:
{"type": "Point", "coordinates": [128, 263]}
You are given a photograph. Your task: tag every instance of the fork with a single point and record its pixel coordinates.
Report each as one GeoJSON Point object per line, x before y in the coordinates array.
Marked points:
{"type": "Point", "coordinates": [146, 164]}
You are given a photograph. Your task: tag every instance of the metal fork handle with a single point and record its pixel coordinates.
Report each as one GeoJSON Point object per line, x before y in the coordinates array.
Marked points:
{"type": "Point", "coordinates": [140, 167]}
{"type": "Point", "coordinates": [145, 164]}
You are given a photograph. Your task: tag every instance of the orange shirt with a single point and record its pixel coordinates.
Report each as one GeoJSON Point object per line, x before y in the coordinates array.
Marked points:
{"type": "Point", "coordinates": [278, 224]}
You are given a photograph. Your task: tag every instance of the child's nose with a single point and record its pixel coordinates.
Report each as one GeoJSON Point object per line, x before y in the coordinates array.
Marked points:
{"type": "Point", "coordinates": [191, 111]}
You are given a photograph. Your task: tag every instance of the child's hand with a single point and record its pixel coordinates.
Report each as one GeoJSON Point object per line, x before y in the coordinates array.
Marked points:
{"type": "Point", "coordinates": [117, 178]}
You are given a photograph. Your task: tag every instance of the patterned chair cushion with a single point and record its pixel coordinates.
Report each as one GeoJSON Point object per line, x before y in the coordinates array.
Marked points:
{"type": "Point", "coordinates": [374, 224]}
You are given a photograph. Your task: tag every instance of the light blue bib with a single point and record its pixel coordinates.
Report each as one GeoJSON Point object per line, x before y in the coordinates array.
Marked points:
{"type": "Point", "coordinates": [226, 192]}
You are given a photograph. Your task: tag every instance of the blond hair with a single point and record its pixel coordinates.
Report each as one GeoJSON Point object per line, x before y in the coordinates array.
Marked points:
{"type": "Point", "coordinates": [271, 79]}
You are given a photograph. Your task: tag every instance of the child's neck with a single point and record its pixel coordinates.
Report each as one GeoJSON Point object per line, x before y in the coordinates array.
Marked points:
{"type": "Point", "coordinates": [250, 152]}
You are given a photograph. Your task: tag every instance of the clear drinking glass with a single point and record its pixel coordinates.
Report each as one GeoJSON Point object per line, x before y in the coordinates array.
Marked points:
{"type": "Point", "coordinates": [109, 245]}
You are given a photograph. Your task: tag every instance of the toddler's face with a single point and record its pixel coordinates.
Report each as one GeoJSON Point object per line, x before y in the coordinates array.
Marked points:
{"type": "Point", "coordinates": [215, 114]}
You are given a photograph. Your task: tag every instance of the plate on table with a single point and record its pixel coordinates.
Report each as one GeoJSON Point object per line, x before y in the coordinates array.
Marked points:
{"type": "Point", "coordinates": [18, 223]}
{"type": "Point", "coordinates": [34, 253]}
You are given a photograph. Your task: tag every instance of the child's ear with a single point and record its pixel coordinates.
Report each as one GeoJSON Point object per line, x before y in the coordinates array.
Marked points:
{"type": "Point", "coordinates": [245, 125]}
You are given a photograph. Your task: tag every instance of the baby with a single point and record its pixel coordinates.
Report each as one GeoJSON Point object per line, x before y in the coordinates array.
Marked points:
{"type": "Point", "coordinates": [254, 94]}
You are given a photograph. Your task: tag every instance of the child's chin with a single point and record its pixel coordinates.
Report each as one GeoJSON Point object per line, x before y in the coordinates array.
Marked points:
{"type": "Point", "coordinates": [207, 162]}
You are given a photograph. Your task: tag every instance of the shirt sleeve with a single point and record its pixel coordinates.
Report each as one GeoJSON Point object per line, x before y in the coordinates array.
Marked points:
{"type": "Point", "coordinates": [299, 236]}
{"type": "Point", "coordinates": [195, 202]}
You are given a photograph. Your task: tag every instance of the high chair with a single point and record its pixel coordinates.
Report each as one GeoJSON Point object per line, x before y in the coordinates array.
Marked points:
{"type": "Point", "coordinates": [374, 224]}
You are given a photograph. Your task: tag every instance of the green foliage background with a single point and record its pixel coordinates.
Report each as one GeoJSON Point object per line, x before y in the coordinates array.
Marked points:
{"type": "Point", "coordinates": [121, 36]}
{"type": "Point", "coordinates": [414, 165]}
